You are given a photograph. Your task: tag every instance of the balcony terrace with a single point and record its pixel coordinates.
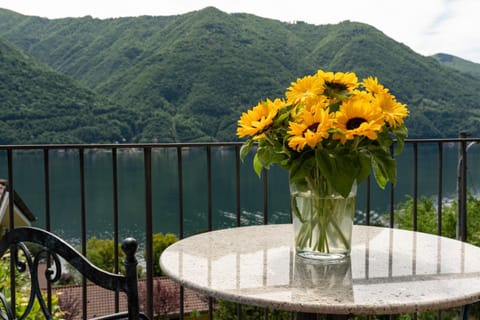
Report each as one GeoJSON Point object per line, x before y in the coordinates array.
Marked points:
{"type": "Point", "coordinates": [151, 217]}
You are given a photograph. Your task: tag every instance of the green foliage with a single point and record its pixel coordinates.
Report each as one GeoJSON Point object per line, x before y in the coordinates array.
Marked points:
{"type": "Point", "coordinates": [228, 311]}
{"type": "Point", "coordinates": [101, 253]}
{"type": "Point", "coordinates": [23, 287]}
{"type": "Point", "coordinates": [430, 315]}
{"type": "Point", "coordinates": [188, 77]}
{"type": "Point", "coordinates": [5, 275]}
{"type": "Point", "coordinates": [160, 243]}
{"type": "Point", "coordinates": [427, 220]}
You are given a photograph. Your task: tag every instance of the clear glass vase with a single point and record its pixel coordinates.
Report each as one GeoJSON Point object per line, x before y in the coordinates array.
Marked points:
{"type": "Point", "coordinates": [322, 219]}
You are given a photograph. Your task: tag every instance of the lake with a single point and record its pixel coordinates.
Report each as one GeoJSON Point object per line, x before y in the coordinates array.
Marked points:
{"type": "Point", "coordinates": [66, 203]}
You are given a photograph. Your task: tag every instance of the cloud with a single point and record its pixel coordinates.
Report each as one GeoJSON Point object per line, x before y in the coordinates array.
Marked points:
{"type": "Point", "coordinates": [427, 26]}
{"type": "Point", "coordinates": [454, 31]}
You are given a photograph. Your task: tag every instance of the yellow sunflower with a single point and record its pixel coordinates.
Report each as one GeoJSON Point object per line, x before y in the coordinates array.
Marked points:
{"type": "Point", "coordinates": [338, 83]}
{"type": "Point", "coordinates": [304, 89]}
{"type": "Point", "coordinates": [373, 86]}
{"type": "Point", "coordinates": [259, 118]}
{"type": "Point", "coordinates": [358, 116]}
{"type": "Point", "coordinates": [310, 127]}
{"type": "Point", "coordinates": [311, 105]}
{"type": "Point", "coordinates": [393, 111]}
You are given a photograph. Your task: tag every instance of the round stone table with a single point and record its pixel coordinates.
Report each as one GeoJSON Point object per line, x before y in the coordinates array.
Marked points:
{"type": "Point", "coordinates": [390, 271]}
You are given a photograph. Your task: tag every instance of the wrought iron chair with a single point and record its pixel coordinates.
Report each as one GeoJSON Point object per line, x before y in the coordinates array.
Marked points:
{"type": "Point", "coordinates": [54, 247]}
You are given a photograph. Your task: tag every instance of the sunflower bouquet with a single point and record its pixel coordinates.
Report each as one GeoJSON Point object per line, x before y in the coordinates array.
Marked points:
{"type": "Point", "coordinates": [329, 131]}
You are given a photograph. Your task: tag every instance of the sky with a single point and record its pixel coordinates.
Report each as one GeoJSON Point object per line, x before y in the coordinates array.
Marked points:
{"type": "Point", "coordinates": [426, 26]}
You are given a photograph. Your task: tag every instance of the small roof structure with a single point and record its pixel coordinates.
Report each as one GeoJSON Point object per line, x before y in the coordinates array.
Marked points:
{"type": "Point", "coordinates": [22, 214]}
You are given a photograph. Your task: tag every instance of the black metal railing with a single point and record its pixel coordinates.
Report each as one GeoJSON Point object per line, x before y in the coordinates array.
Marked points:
{"type": "Point", "coordinates": [437, 145]}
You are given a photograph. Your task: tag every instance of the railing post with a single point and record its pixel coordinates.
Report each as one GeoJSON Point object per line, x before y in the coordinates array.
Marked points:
{"type": "Point", "coordinates": [83, 226]}
{"type": "Point", "coordinates": [238, 207]}
{"type": "Point", "coordinates": [440, 189]}
{"type": "Point", "coordinates": [11, 226]}
{"type": "Point", "coordinates": [147, 154]}
{"type": "Point", "coordinates": [265, 195]}
{"type": "Point", "coordinates": [392, 199]}
{"type": "Point", "coordinates": [461, 231]}
{"type": "Point", "coordinates": [415, 186]}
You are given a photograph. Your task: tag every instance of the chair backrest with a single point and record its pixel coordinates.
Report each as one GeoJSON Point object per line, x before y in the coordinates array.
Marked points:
{"type": "Point", "coordinates": [53, 247]}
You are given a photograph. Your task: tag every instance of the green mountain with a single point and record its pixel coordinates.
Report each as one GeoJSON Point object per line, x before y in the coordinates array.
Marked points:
{"type": "Point", "coordinates": [459, 64]}
{"type": "Point", "coordinates": [189, 77]}
{"type": "Point", "coordinates": [38, 105]}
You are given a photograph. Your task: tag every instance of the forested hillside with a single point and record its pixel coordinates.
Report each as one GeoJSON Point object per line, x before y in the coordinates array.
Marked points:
{"type": "Point", "coordinates": [38, 105]}
{"type": "Point", "coordinates": [459, 64]}
{"type": "Point", "coordinates": [189, 77]}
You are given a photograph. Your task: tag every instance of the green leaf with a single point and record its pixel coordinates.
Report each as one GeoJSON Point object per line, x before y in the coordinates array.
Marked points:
{"type": "Point", "coordinates": [245, 149]}
{"type": "Point", "coordinates": [384, 140]}
{"type": "Point", "coordinates": [269, 156]}
{"type": "Point", "coordinates": [281, 117]}
{"type": "Point", "coordinates": [365, 164]}
{"type": "Point", "coordinates": [301, 168]}
{"type": "Point", "coordinates": [401, 133]}
{"type": "Point", "coordinates": [339, 169]}
{"type": "Point", "coordinates": [335, 106]}
{"type": "Point", "coordinates": [257, 165]}
{"type": "Point", "coordinates": [347, 173]}
{"type": "Point", "coordinates": [384, 168]}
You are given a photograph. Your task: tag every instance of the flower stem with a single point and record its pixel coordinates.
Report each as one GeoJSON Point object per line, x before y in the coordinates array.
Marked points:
{"type": "Point", "coordinates": [320, 215]}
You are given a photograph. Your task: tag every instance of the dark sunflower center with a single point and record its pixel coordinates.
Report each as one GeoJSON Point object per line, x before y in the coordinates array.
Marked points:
{"type": "Point", "coordinates": [354, 123]}
{"type": "Point", "coordinates": [337, 87]}
{"type": "Point", "coordinates": [313, 127]}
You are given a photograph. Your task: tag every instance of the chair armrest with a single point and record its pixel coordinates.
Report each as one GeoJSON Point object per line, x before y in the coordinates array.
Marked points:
{"type": "Point", "coordinates": [54, 247]}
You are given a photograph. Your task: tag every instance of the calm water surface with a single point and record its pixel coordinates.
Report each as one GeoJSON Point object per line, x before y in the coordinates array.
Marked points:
{"type": "Point", "coordinates": [66, 203]}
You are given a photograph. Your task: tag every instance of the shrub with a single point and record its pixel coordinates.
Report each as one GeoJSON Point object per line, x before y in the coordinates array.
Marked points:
{"type": "Point", "coordinates": [165, 299]}
{"type": "Point", "coordinates": [228, 311]}
{"type": "Point", "coordinates": [101, 253]}
{"type": "Point", "coordinates": [70, 306]}
{"type": "Point", "coordinates": [22, 285]}
{"type": "Point", "coordinates": [427, 217]}
{"type": "Point", "coordinates": [160, 243]}
{"type": "Point", "coordinates": [427, 220]}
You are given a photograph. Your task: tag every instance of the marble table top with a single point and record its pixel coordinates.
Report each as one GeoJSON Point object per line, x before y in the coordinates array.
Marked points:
{"type": "Point", "coordinates": [389, 271]}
